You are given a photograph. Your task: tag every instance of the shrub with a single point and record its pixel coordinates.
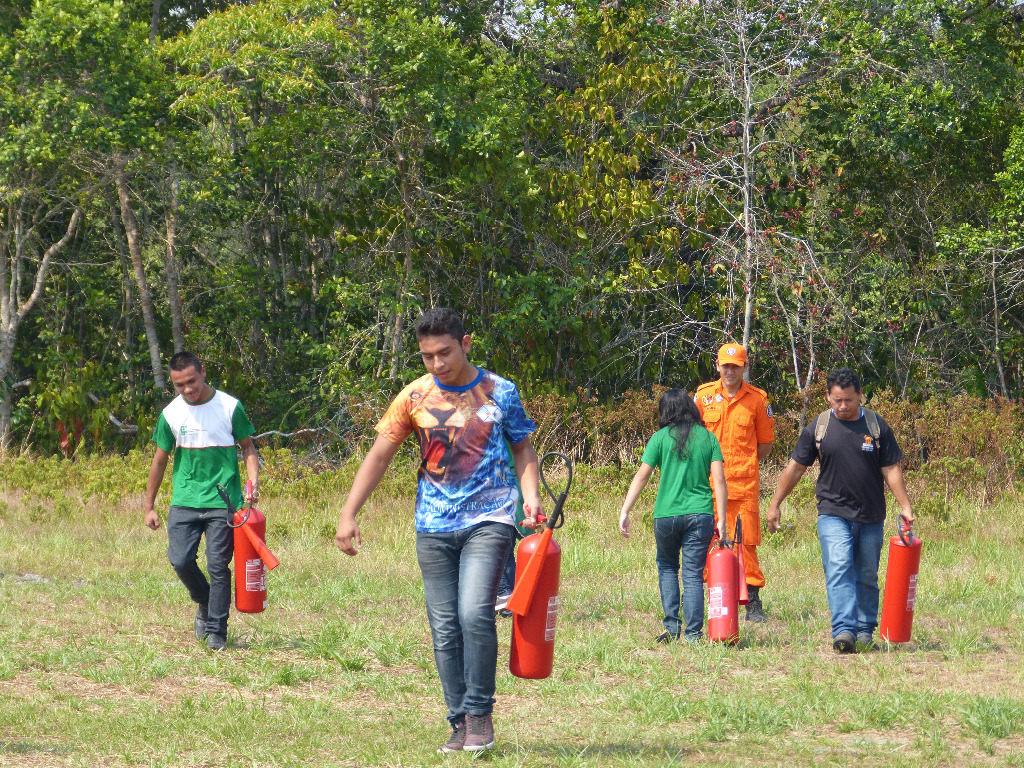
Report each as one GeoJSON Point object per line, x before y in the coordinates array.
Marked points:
{"type": "Point", "coordinates": [955, 448]}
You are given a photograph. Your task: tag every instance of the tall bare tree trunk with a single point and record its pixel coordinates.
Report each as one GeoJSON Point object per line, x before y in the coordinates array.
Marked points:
{"type": "Point", "coordinates": [154, 21]}
{"type": "Point", "coordinates": [131, 231]}
{"type": "Point", "coordinates": [749, 254]}
{"type": "Point", "coordinates": [397, 328]}
{"type": "Point", "coordinates": [126, 279]}
{"type": "Point", "coordinates": [995, 340]}
{"type": "Point", "coordinates": [5, 420]}
{"type": "Point", "coordinates": [171, 266]}
{"type": "Point", "coordinates": [403, 301]}
{"type": "Point", "coordinates": [14, 308]}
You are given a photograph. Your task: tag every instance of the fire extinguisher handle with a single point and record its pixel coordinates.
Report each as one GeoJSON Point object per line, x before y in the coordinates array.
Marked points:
{"type": "Point", "coordinates": [736, 540]}
{"type": "Point", "coordinates": [232, 512]}
{"type": "Point", "coordinates": [906, 533]}
{"type": "Point", "coordinates": [556, 518]}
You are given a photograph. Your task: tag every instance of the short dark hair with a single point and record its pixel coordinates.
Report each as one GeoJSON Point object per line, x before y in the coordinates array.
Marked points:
{"type": "Point", "coordinates": [440, 321]}
{"type": "Point", "coordinates": [182, 361]}
{"type": "Point", "coordinates": [843, 378]}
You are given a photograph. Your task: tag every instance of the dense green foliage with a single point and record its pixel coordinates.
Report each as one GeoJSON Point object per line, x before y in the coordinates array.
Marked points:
{"type": "Point", "coordinates": [607, 191]}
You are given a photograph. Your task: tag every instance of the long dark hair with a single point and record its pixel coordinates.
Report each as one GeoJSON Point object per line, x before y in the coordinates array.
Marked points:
{"type": "Point", "coordinates": [677, 410]}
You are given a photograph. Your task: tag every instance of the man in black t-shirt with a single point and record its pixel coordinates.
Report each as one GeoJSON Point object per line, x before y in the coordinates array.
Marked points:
{"type": "Point", "coordinates": [856, 452]}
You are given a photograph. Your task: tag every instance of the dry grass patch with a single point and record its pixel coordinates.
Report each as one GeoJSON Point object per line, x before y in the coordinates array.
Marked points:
{"type": "Point", "coordinates": [98, 665]}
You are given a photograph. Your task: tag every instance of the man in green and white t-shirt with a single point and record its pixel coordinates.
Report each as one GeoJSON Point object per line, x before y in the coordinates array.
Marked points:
{"type": "Point", "coordinates": [201, 427]}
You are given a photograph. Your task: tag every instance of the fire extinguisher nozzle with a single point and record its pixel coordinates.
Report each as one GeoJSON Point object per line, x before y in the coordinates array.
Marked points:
{"type": "Point", "coordinates": [522, 594]}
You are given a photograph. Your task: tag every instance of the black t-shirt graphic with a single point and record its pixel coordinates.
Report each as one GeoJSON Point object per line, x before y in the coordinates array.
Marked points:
{"type": "Point", "coordinates": [850, 483]}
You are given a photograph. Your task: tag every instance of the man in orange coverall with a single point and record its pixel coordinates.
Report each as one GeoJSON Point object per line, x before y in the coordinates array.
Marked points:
{"type": "Point", "coordinates": [740, 417]}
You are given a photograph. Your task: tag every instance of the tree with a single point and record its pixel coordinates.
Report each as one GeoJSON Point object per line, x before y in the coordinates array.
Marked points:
{"type": "Point", "coordinates": [98, 95]}
{"type": "Point", "coordinates": [371, 145]}
{"type": "Point", "coordinates": [26, 254]}
{"type": "Point", "coordinates": [980, 282]}
{"type": "Point", "coordinates": [741, 162]}
{"type": "Point", "coordinates": [910, 133]}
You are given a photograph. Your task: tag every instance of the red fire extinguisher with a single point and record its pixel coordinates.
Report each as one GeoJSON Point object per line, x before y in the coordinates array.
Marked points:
{"type": "Point", "coordinates": [900, 586]}
{"type": "Point", "coordinates": [534, 601]}
{"type": "Point", "coordinates": [252, 558]}
{"type": "Point", "coordinates": [727, 589]}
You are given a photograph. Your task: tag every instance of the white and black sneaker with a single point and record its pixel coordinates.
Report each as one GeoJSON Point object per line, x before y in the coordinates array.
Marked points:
{"type": "Point", "coordinates": [501, 605]}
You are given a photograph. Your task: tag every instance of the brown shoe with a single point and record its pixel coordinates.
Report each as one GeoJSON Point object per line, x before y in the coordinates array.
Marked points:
{"type": "Point", "coordinates": [456, 740]}
{"type": "Point", "coordinates": [479, 733]}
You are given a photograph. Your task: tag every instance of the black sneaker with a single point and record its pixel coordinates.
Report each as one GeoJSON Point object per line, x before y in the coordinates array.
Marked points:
{"type": "Point", "coordinates": [202, 615]}
{"type": "Point", "coordinates": [665, 638]}
{"type": "Point", "coordinates": [865, 643]}
{"type": "Point", "coordinates": [216, 642]}
{"type": "Point", "coordinates": [755, 611]}
{"type": "Point", "coordinates": [845, 642]}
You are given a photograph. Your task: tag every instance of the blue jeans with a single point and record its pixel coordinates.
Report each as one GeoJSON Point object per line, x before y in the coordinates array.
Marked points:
{"type": "Point", "coordinates": [508, 573]}
{"type": "Point", "coordinates": [185, 526]}
{"type": "Point", "coordinates": [849, 554]}
{"type": "Point", "coordinates": [691, 536]}
{"type": "Point", "coordinates": [461, 570]}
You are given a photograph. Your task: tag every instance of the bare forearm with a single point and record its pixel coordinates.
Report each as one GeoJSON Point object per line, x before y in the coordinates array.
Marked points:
{"type": "Point", "coordinates": [721, 502]}
{"type": "Point", "coordinates": [639, 482]}
{"type": "Point", "coordinates": [252, 466]}
{"type": "Point", "coordinates": [790, 477]}
{"type": "Point", "coordinates": [528, 472]}
{"type": "Point", "coordinates": [636, 487]}
{"type": "Point", "coordinates": [156, 477]}
{"type": "Point", "coordinates": [348, 538]}
{"type": "Point", "coordinates": [894, 479]}
{"type": "Point", "coordinates": [366, 480]}
{"type": "Point", "coordinates": [368, 476]}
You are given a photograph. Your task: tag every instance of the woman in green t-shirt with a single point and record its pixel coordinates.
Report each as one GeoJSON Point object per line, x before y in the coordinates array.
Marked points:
{"type": "Point", "coordinates": [687, 454]}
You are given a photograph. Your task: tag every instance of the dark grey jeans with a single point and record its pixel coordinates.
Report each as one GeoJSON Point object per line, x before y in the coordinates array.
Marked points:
{"type": "Point", "coordinates": [185, 526]}
{"type": "Point", "coordinates": [461, 570]}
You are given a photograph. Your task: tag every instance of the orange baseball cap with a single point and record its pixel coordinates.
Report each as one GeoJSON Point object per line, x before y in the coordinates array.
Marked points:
{"type": "Point", "coordinates": [732, 353]}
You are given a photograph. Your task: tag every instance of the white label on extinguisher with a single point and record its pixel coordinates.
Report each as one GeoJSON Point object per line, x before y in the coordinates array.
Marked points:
{"type": "Point", "coordinates": [912, 592]}
{"type": "Point", "coordinates": [716, 607]}
{"type": "Point", "coordinates": [255, 575]}
{"type": "Point", "coordinates": [549, 626]}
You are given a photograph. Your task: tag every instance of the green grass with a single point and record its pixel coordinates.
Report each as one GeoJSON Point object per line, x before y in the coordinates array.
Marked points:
{"type": "Point", "coordinates": [98, 665]}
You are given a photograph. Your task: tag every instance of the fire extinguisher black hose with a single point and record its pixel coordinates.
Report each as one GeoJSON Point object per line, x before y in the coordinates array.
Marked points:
{"type": "Point", "coordinates": [231, 507]}
{"type": "Point", "coordinates": [557, 517]}
{"type": "Point", "coordinates": [737, 540]}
